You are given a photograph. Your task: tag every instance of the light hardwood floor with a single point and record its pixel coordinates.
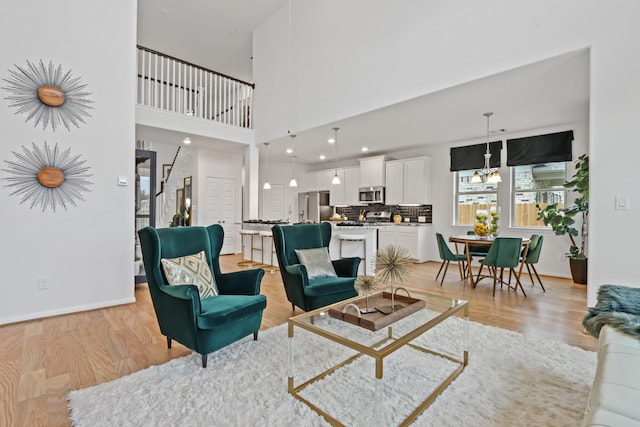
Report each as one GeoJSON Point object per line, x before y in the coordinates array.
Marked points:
{"type": "Point", "coordinates": [41, 361]}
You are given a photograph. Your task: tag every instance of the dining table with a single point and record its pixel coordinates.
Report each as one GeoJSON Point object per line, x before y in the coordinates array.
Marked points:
{"type": "Point", "coordinates": [475, 240]}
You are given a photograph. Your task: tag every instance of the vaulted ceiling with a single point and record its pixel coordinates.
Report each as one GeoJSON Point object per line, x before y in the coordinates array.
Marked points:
{"type": "Point", "coordinates": [217, 34]}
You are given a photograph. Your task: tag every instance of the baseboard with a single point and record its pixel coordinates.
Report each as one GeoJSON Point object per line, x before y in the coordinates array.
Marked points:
{"type": "Point", "coordinates": [65, 310]}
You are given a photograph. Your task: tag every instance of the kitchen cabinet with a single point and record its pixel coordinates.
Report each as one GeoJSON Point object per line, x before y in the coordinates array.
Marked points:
{"type": "Point", "coordinates": [408, 181]}
{"type": "Point", "coordinates": [308, 182]}
{"type": "Point", "coordinates": [372, 172]}
{"type": "Point", "coordinates": [352, 186]}
{"type": "Point", "coordinates": [394, 191]}
{"type": "Point", "coordinates": [336, 192]}
{"type": "Point", "coordinates": [324, 179]}
{"type": "Point", "coordinates": [345, 193]}
{"type": "Point", "coordinates": [415, 239]}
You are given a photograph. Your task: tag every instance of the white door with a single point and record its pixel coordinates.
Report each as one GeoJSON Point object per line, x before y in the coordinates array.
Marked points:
{"type": "Point", "coordinates": [221, 196]}
{"type": "Point", "coordinates": [273, 203]}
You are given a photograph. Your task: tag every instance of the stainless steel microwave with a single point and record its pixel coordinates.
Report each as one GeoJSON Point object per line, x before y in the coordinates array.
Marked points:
{"type": "Point", "coordinates": [371, 195]}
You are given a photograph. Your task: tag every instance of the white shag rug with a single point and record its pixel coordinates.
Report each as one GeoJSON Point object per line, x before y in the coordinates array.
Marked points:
{"type": "Point", "coordinates": [511, 380]}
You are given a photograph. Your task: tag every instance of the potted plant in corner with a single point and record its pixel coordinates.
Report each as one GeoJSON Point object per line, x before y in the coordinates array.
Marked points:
{"type": "Point", "coordinates": [562, 220]}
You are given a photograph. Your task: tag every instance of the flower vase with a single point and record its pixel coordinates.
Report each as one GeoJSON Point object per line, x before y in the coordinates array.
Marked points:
{"type": "Point", "coordinates": [481, 227]}
{"type": "Point", "coordinates": [495, 215]}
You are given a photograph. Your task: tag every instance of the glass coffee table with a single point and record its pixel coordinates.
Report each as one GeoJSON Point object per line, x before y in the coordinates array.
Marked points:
{"type": "Point", "coordinates": [366, 339]}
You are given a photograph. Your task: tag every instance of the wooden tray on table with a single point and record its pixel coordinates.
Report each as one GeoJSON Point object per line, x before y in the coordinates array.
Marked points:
{"type": "Point", "coordinates": [377, 319]}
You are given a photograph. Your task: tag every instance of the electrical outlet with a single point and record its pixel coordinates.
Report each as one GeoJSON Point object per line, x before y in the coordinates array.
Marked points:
{"type": "Point", "coordinates": [43, 283]}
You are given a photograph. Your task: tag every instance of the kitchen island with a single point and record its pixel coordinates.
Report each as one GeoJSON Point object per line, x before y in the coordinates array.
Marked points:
{"type": "Point", "coordinates": [417, 238]}
{"type": "Point", "coordinates": [351, 248]}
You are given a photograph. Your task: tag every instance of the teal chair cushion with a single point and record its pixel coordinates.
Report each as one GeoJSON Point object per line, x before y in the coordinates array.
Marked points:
{"type": "Point", "coordinates": [328, 285]}
{"type": "Point", "coordinates": [228, 309]}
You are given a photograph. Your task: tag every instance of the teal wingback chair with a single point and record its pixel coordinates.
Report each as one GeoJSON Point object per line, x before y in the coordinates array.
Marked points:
{"type": "Point", "coordinates": [503, 253]}
{"type": "Point", "coordinates": [309, 294]}
{"type": "Point", "coordinates": [209, 324]}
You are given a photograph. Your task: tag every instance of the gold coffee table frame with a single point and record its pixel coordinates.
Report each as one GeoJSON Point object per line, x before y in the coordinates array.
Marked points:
{"type": "Point", "coordinates": [306, 321]}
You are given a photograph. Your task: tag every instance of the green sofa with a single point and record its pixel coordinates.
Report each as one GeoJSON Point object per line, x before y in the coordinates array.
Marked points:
{"type": "Point", "coordinates": [203, 325]}
{"type": "Point", "coordinates": [301, 291]}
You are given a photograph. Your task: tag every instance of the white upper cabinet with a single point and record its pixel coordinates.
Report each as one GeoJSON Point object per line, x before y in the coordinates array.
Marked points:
{"type": "Point", "coordinates": [351, 186]}
{"type": "Point", "coordinates": [345, 193]}
{"type": "Point", "coordinates": [409, 181]}
{"type": "Point", "coordinates": [394, 191]}
{"type": "Point", "coordinates": [324, 179]}
{"type": "Point", "coordinates": [372, 172]}
{"type": "Point", "coordinates": [336, 192]}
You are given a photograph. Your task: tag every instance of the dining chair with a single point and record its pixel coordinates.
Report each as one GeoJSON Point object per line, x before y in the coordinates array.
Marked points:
{"type": "Point", "coordinates": [446, 255]}
{"type": "Point", "coordinates": [477, 250]}
{"type": "Point", "coordinates": [532, 257]}
{"type": "Point", "coordinates": [503, 253]}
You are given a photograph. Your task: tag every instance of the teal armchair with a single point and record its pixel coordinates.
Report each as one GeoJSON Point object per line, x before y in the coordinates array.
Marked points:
{"type": "Point", "coordinates": [214, 322]}
{"type": "Point", "coordinates": [309, 294]}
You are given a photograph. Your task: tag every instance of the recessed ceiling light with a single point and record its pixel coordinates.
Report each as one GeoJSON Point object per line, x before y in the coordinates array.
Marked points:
{"type": "Point", "coordinates": [289, 151]}
{"type": "Point", "coordinates": [322, 157]}
{"type": "Point", "coordinates": [187, 140]}
{"type": "Point", "coordinates": [331, 140]}
{"type": "Point", "coordinates": [364, 149]}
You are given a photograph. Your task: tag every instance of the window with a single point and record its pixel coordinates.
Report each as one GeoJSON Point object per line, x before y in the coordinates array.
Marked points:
{"type": "Point", "coordinates": [471, 197]}
{"type": "Point", "coordinates": [540, 183]}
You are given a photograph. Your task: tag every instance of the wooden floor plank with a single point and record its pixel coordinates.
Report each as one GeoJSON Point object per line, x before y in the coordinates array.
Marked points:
{"type": "Point", "coordinates": [41, 361]}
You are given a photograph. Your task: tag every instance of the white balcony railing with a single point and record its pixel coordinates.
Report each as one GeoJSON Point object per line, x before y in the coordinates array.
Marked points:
{"type": "Point", "coordinates": [173, 85]}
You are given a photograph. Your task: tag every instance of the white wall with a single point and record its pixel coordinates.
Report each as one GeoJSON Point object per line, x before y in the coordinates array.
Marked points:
{"type": "Point", "coordinates": [377, 53]}
{"type": "Point", "coordinates": [86, 252]}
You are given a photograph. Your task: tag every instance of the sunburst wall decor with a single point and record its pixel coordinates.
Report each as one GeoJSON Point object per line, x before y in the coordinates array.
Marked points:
{"type": "Point", "coordinates": [47, 95]}
{"type": "Point", "coordinates": [47, 176]}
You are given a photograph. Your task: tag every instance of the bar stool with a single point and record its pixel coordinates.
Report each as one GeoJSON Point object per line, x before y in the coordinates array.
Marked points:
{"type": "Point", "coordinates": [269, 234]}
{"type": "Point", "coordinates": [356, 238]}
{"type": "Point", "coordinates": [251, 233]}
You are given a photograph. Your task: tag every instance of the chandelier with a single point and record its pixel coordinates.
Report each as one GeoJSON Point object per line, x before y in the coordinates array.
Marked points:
{"type": "Point", "coordinates": [487, 173]}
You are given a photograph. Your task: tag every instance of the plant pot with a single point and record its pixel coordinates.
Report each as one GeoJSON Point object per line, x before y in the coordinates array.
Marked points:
{"type": "Point", "coordinates": [578, 270]}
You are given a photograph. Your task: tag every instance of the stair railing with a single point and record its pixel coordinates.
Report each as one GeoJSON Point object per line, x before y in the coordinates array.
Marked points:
{"type": "Point", "coordinates": [178, 86]}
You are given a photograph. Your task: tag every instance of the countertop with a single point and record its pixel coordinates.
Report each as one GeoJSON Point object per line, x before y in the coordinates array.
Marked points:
{"type": "Point", "coordinates": [378, 225]}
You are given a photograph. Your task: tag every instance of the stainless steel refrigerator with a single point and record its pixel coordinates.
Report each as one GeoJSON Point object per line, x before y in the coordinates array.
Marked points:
{"type": "Point", "coordinates": [313, 206]}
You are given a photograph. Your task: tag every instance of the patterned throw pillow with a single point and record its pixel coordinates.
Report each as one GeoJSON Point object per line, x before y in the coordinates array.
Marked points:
{"type": "Point", "coordinates": [317, 262]}
{"type": "Point", "coordinates": [191, 270]}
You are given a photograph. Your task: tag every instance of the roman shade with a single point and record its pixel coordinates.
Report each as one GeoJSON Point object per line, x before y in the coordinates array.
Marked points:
{"type": "Point", "coordinates": [552, 147]}
{"type": "Point", "coordinates": [471, 157]}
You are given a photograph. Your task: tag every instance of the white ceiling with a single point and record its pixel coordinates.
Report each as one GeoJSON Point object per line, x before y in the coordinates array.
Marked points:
{"type": "Point", "coordinates": [217, 35]}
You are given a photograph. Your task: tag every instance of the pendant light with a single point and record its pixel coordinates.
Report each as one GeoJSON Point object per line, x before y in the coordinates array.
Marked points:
{"type": "Point", "coordinates": [267, 186]}
{"type": "Point", "coordinates": [487, 173]}
{"type": "Point", "coordinates": [336, 179]}
{"type": "Point", "coordinates": [293, 182]}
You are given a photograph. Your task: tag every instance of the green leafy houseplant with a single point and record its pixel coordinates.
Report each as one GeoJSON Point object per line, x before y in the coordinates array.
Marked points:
{"type": "Point", "coordinates": [562, 220]}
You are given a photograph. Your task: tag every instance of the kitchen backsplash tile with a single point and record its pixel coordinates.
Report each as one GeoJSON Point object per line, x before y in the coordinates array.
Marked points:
{"type": "Point", "coordinates": [411, 212]}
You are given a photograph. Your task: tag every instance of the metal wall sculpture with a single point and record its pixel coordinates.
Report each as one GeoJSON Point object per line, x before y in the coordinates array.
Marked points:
{"type": "Point", "coordinates": [47, 95]}
{"type": "Point", "coordinates": [47, 177]}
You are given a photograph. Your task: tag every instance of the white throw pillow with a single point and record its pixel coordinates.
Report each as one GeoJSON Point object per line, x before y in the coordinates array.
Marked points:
{"type": "Point", "coordinates": [191, 270]}
{"type": "Point", "coordinates": [317, 262]}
